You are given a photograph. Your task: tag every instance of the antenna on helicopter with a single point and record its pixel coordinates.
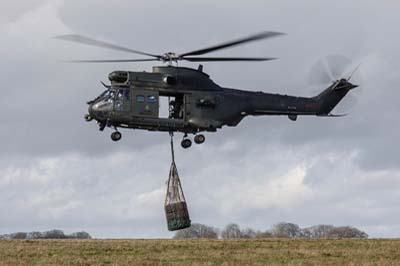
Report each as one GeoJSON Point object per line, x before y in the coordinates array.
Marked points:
{"type": "Point", "coordinates": [354, 71]}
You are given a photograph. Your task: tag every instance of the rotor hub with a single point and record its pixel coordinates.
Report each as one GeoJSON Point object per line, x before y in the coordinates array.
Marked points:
{"type": "Point", "coordinates": [169, 57]}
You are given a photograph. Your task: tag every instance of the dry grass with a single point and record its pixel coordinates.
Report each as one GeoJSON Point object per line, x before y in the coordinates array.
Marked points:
{"type": "Point", "coordinates": [200, 252]}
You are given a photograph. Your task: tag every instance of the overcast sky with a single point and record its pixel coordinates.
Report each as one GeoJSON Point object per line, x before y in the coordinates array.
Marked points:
{"type": "Point", "coordinates": [57, 171]}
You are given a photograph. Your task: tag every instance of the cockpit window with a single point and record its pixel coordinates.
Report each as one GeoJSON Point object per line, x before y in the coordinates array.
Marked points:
{"type": "Point", "coordinates": [106, 95]}
{"type": "Point", "coordinates": [122, 101]}
{"type": "Point", "coordinates": [124, 94]}
{"type": "Point", "coordinates": [106, 98]}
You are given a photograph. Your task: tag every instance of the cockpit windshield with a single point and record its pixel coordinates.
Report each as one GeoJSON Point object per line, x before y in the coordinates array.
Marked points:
{"type": "Point", "coordinates": [115, 99]}
{"type": "Point", "coordinates": [107, 95]}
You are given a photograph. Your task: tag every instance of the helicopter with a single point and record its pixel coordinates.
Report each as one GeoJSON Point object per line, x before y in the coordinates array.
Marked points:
{"type": "Point", "coordinates": [196, 104]}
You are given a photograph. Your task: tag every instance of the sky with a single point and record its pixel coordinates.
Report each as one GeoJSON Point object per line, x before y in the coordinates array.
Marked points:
{"type": "Point", "coordinates": [58, 171]}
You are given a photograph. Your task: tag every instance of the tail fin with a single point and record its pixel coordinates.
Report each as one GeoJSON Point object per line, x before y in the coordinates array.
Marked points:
{"type": "Point", "coordinates": [329, 98]}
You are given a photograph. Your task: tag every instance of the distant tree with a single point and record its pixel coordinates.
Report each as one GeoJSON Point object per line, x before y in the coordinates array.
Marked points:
{"type": "Point", "coordinates": [347, 232]}
{"type": "Point", "coordinates": [19, 235]}
{"type": "Point", "coordinates": [5, 237]}
{"type": "Point", "coordinates": [53, 234]}
{"type": "Point", "coordinates": [197, 231]}
{"type": "Point", "coordinates": [248, 233]}
{"type": "Point", "coordinates": [231, 231]}
{"type": "Point", "coordinates": [266, 234]}
{"type": "Point", "coordinates": [34, 235]}
{"type": "Point", "coordinates": [289, 230]}
{"type": "Point", "coordinates": [318, 231]}
{"type": "Point", "coordinates": [80, 235]}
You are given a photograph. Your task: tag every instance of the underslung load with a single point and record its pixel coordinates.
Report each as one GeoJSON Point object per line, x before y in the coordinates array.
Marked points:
{"type": "Point", "coordinates": [175, 206]}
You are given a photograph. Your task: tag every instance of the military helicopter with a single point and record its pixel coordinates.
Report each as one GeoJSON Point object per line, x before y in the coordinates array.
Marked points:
{"type": "Point", "coordinates": [196, 103]}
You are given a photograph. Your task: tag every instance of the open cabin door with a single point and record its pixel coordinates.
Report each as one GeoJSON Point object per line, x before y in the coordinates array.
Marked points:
{"type": "Point", "coordinates": [145, 103]}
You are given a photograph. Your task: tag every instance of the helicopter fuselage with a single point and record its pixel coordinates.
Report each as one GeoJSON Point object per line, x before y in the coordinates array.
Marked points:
{"type": "Point", "coordinates": [195, 102]}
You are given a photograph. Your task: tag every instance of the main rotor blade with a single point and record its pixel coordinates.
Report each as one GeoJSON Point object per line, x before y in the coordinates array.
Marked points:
{"type": "Point", "coordinates": [92, 42]}
{"type": "Point", "coordinates": [111, 61]}
{"type": "Point", "coordinates": [256, 37]}
{"type": "Point", "coordinates": [210, 59]}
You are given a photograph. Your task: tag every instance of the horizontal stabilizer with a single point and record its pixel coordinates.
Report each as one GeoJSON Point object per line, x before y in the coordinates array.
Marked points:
{"type": "Point", "coordinates": [343, 84]}
{"type": "Point", "coordinates": [333, 115]}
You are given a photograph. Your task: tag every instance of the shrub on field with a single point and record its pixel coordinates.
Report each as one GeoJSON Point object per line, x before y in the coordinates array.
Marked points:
{"type": "Point", "coordinates": [197, 231]}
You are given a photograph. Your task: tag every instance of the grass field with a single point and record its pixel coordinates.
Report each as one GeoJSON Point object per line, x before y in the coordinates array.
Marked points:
{"type": "Point", "coordinates": [200, 252]}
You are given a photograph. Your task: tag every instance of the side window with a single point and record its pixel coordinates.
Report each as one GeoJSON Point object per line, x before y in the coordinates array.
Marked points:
{"type": "Point", "coordinates": [140, 98]}
{"type": "Point", "coordinates": [151, 99]}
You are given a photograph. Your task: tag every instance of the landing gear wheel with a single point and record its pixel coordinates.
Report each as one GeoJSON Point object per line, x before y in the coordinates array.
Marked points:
{"type": "Point", "coordinates": [199, 139]}
{"type": "Point", "coordinates": [186, 143]}
{"type": "Point", "coordinates": [116, 136]}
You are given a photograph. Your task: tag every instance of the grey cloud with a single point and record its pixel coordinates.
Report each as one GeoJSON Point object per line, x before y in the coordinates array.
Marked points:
{"type": "Point", "coordinates": [12, 11]}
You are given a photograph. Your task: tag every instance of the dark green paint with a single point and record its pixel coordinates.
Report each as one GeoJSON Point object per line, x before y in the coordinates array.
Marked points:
{"type": "Point", "coordinates": [205, 106]}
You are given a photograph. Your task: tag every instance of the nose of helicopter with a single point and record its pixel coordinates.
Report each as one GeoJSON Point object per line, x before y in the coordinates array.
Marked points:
{"type": "Point", "coordinates": [91, 113]}
{"type": "Point", "coordinates": [92, 110]}
{"type": "Point", "coordinates": [95, 111]}
{"type": "Point", "coordinates": [100, 110]}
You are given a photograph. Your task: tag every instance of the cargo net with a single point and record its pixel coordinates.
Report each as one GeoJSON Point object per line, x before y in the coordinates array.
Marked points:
{"type": "Point", "coordinates": [175, 206]}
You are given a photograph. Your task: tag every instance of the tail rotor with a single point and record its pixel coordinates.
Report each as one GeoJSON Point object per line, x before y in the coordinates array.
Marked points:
{"type": "Point", "coordinates": [338, 71]}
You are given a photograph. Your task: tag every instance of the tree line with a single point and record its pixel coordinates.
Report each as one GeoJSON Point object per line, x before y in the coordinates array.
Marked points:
{"type": "Point", "coordinates": [280, 230]}
{"type": "Point", "coordinates": [52, 234]}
